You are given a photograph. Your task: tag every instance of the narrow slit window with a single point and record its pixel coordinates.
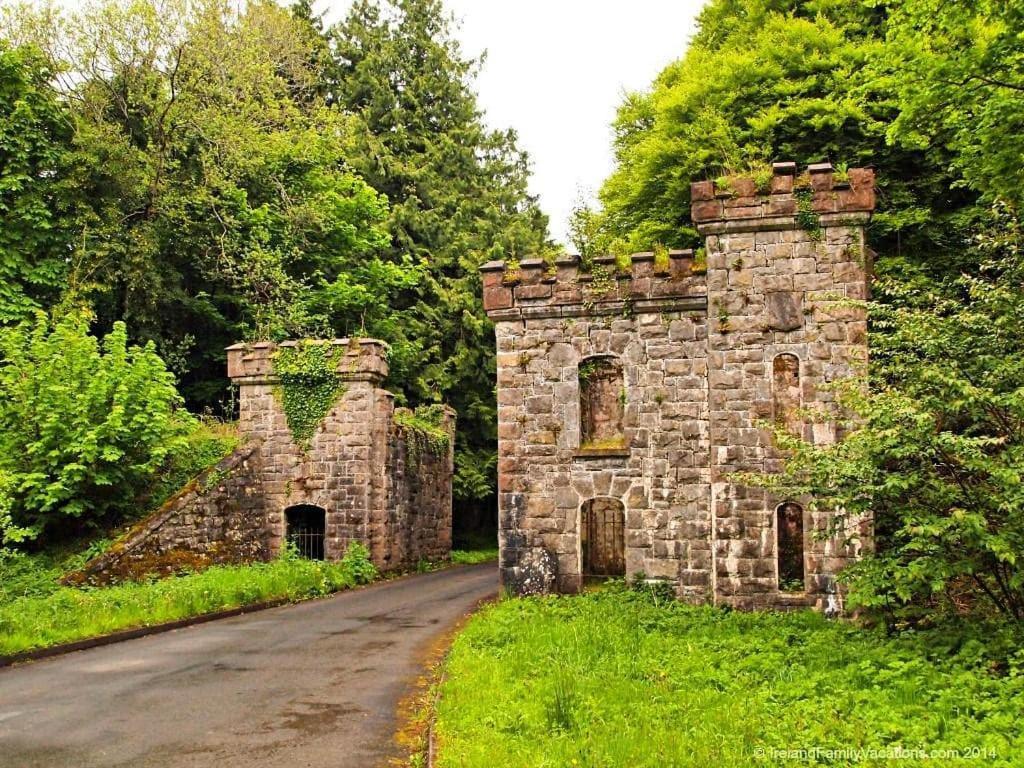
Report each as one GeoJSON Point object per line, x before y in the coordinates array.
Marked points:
{"type": "Point", "coordinates": [790, 546]}
{"type": "Point", "coordinates": [786, 392]}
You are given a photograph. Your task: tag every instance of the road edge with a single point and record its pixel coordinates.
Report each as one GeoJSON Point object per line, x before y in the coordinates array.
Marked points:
{"type": "Point", "coordinates": [38, 654]}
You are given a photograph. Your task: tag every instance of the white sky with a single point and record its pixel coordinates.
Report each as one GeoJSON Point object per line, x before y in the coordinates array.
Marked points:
{"type": "Point", "coordinates": [556, 71]}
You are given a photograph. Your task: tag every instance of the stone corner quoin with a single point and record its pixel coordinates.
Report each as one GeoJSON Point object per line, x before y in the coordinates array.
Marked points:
{"type": "Point", "coordinates": [628, 399]}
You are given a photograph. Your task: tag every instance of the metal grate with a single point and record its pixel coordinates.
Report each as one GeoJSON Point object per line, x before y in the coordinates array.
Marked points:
{"type": "Point", "coordinates": [306, 530]}
{"type": "Point", "coordinates": [604, 538]}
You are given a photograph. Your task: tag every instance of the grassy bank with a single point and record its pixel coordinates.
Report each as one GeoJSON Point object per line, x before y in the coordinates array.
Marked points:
{"type": "Point", "coordinates": [616, 679]}
{"type": "Point", "coordinates": [65, 614]}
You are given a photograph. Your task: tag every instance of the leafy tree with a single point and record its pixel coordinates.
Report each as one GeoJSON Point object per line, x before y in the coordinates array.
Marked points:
{"type": "Point", "coordinates": [935, 448]}
{"type": "Point", "coordinates": [763, 80]}
{"type": "Point", "coordinates": [86, 426]}
{"type": "Point", "coordinates": [958, 68]}
{"type": "Point", "coordinates": [39, 198]}
{"type": "Point", "coordinates": [458, 195]}
{"type": "Point", "coordinates": [228, 208]}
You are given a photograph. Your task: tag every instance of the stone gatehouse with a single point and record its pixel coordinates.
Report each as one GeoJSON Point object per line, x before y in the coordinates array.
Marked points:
{"type": "Point", "coordinates": [367, 472]}
{"type": "Point", "coordinates": [629, 396]}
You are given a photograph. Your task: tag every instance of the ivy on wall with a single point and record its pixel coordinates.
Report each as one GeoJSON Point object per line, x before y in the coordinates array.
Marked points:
{"type": "Point", "coordinates": [309, 385]}
{"type": "Point", "coordinates": [425, 431]}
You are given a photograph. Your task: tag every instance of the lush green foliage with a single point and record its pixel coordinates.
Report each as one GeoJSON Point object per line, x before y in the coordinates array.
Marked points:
{"type": "Point", "coordinates": [309, 385]}
{"type": "Point", "coordinates": [935, 446]}
{"type": "Point", "coordinates": [224, 205]}
{"type": "Point", "coordinates": [38, 189]}
{"type": "Point", "coordinates": [424, 429]}
{"type": "Point", "coordinates": [231, 177]}
{"type": "Point", "coordinates": [958, 68]}
{"type": "Point", "coordinates": [86, 427]}
{"type": "Point", "coordinates": [617, 679]}
{"type": "Point", "coordinates": [766, 80]}
{"type": "Point", "coordinates": [69, 614]}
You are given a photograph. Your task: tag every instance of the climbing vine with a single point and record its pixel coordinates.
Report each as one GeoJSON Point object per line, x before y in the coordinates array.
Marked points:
{"type": "Point", "coordinates": [806, 218]}
{"type": "Point", "coordinates": [424, 430]}
{"type": "Point", "coordinates": [309, 385]}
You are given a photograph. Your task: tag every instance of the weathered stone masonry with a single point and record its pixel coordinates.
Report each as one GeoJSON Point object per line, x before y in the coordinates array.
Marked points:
{"type": "Point", "coordinates": [707, 348]}
{"type": "Point", "coordinates": [374, 481]}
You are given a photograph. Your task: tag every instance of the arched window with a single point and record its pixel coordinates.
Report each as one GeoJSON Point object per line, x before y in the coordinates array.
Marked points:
{"type": "Point", "coordinates": [603, 537]}
{"type": "Point", "coordinates": [786, 392]}
{"type": "Point", "coordinates": [789, 526]}
{"type": "Point", "coordinates": [306, 526]}
{"type": "Point", "coordinates": [602, 402]}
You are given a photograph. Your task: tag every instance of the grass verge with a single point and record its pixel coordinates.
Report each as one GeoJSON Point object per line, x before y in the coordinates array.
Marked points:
{"type": "Point", "coordinates": [615, 678]}
{"type": "Point", "coordinates": [474, 556]}
{"type": "Point", "coordinates": [68, 614]}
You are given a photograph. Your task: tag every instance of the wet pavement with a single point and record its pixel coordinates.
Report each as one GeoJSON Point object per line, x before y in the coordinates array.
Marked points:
{"type": "Point", "coordinates": [312, 685]}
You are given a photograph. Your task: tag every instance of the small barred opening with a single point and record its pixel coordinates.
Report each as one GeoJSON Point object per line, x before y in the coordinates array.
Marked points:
{"type": "Point", "coordinates": [306, 528]}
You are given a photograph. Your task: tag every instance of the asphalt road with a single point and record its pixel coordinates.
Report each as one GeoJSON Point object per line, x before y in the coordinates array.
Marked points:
{"type": "Point", "coordinates": [312, 684]}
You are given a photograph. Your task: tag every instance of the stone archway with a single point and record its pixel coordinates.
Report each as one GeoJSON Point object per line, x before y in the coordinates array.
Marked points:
{"type": "Point", "coordinates": [603, 538]}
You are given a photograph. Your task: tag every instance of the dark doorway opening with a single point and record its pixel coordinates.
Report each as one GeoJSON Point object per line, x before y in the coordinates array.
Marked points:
{"type": "Point", "coordinates": [306, 528]}
{"type": "Point", "coordinates": [603, 538]}
{"type": "Point", "coordinates": [790, 541]}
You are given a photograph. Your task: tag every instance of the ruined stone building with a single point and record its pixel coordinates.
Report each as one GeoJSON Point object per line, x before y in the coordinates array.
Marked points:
{"type": "Point", "coordinates": [629, 396]}
{"type": "Point", "coordinates": [356, 470]}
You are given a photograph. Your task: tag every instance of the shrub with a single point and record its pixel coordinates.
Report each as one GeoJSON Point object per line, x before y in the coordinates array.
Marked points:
{"type": "Point", "coordinates": [85, 425]}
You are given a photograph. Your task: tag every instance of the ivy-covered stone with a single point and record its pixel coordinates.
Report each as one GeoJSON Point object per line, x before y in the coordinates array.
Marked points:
{"type": "Point", "coordinates": [309, 385]}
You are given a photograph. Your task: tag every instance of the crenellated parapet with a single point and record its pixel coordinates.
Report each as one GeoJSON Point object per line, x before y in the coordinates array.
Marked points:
{"type": "Point", "coordinates": [535, 288]}
{"type": "Point", "coordinates": [785, 201]}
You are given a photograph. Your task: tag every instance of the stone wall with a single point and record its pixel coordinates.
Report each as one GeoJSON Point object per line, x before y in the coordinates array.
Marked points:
{"type": "Point", "coordinates": [652, 322]}
{"type": "Point", "coordinates": [777, 293]}
{"type": "Point", "coordinates": [420, 491]}
{"type": "Point", "coordinates": [357, 467]}
{"type": "Point", "coordinates": [219, 517]}
{"type": "Point", "coordinates": [697, 338]}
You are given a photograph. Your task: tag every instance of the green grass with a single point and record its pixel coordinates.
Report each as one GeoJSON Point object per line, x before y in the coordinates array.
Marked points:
{"type": "Point", "coordinates": [472, 547]}
{"type": "Point", "coordinates": [613, 678]}
{"type": "Point", "coordinates": [474, 556]}
{"type": "Point", "coordinates": [65, 614]}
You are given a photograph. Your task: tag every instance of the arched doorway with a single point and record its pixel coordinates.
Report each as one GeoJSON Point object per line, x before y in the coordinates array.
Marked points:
{"type": "Point", "coordinates": [305, 529]}
{"type": "Point", "coordinates": [603, 538]}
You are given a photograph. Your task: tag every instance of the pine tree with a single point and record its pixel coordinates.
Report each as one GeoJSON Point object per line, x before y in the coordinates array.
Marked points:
{"type": "Point", "coordinates": [458, 197]}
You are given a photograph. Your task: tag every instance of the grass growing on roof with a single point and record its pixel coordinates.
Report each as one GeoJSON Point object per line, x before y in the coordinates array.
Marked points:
{"type": "Point", "coordinates": [615, 678]}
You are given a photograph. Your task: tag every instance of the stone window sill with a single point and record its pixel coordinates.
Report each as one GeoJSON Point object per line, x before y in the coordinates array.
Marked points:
{"type": "Point", "coordinates": [601, 453]}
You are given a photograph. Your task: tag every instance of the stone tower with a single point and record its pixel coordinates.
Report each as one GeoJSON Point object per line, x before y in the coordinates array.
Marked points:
{"type": "Point", "coordinates": [367, 472]}
{"type": "Point", "coordinates": [629, 396]}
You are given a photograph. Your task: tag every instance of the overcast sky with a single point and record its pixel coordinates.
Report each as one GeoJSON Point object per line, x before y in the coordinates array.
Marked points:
{"type": "Point", "coordinates": [555, 72]}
